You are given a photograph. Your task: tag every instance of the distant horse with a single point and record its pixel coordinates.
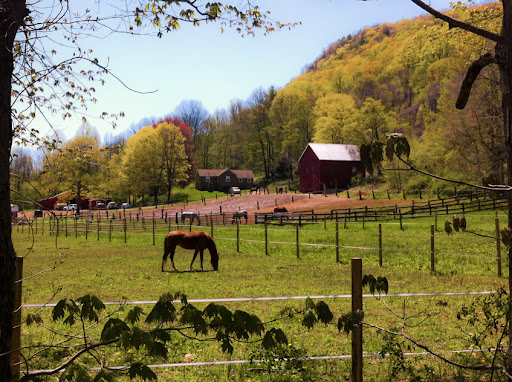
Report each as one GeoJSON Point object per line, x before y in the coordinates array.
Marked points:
{"type": "Point", "coordinates": [191, 216]}
{"type": "Point", "coordinates": [255, 190]}
{"type": "Point", "coordinates": [280, 209]}
{"type": "Point", "coordinates": [198, 241]}
{"type": "Point", "coordinates": [238, 215]}
{"type": "Point", "coordinates": [280, 191]}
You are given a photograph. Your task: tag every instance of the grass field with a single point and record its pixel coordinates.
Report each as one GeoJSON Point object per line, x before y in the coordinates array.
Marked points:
{"type": "Point", "coordinates": [114, 270]}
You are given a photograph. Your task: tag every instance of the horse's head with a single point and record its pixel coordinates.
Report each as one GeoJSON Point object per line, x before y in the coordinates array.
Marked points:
{"type": "Point", "coordinates": [215, 261]}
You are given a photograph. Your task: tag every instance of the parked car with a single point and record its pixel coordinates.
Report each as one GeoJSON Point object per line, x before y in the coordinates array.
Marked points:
{"type": "Point", "coordinates": [234, 190]}
{"type": "Point", "coordinates": [125, 205]}
{"type": "Point", "coordinates": [101, 206]}
{"type": "Point", "coordinates": [70, 207]}
{"type": "Point", "coordinates": [60, 206]}
{"type": "Point", "coordinates": [112, 206]}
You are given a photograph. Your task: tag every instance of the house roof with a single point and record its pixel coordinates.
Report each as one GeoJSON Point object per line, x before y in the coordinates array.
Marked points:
{"type": "Point", "coordinates": [209, 172]}
{"type": "Point", "coordinates": [238, 173]}
{"type": "Point", "coordinates": [243, 173]}
{"type": "Point", "coordinates": [334, 152]}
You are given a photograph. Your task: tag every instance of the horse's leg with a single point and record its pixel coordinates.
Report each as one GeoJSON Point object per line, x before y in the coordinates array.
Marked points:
{"type": "Point", "coordinates": [172, 257]}
{"type": "Point", "coordinates": [201, 257]}
{"type": "Point", "coordinates": [193, 259]}
{"type": "Point", "coordinates": [168, 252]}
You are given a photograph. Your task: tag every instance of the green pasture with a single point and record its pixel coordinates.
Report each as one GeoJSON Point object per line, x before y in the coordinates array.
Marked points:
{"type": "Point", "coordinates": [104, 265]}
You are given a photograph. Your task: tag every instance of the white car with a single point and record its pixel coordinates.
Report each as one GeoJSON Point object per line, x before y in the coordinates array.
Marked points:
{"type": "Point", "coordinates": [70, 207]}
{"type": "Point", "coordinates": [234, 190]}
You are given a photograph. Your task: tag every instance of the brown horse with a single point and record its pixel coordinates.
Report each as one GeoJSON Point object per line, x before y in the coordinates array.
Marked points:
{"type": "Point", "coordinates": [280, 209]}
{"type": "Point", "coordinates": [199, 241]}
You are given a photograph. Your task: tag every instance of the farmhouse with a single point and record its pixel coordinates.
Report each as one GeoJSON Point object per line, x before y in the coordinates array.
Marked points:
{"type": "Point", "coordinates": [329, 166]}
{"type": "Point", "coordinates": [222, 180]}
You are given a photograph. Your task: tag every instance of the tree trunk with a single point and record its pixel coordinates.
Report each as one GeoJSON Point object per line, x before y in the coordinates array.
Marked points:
{"type": "Point", "coordinates": [12, 14]}
{"type": "Point", "coordinates": [503, 53]}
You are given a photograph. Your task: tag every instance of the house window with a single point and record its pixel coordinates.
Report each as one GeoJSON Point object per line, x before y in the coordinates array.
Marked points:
{"type": "Point", "coordinates": [207, 179]}
{"type": "Point", "coordinates": [313, 170]}
{"type": "Point", "coordinates": [240, 180]}
{"type": "Point", "coordinates": [306, 170]}
{"type": "Point", "coordinates": [228, 179]}
{"type": "Point", "coordinates": [354, 169]}
{"type": "Point", "coordinates": [249, 180]}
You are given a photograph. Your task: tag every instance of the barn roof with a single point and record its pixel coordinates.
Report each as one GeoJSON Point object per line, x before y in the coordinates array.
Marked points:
{"type": "Point", "coordinates": [238, 173]}
{"type": "Point", "coordinates": [334, 152]}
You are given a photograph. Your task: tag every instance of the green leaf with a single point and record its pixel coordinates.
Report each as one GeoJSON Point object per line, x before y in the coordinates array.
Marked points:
{"type": "Point", "coordinates": [309, 319]}
{"type": "Point", "coordinates": [310, 304]}
{"type": "Point", "coordinates": [62, 306]}
{"type": "Point", "coordinates": [191, 315]}
{"type": "Point", "coordinates": [163, 311]}
{"type": "Point", "coordinates": [159, 349]}
{"type": "Point", "coordinates": [105, 376]}
{"type": "Point", "coordinates": [33, 318]}
{"type": "Point", "coordinates": [142, 371]}
{"type": "Point", "coordinates": [76, 372]}
{"type": "Point", "coordinates": [226, 345]}
{"type": "Point", "coordinates": [113, 328]}
{"type": "Point", "coordinates": [323, 312]}
{"type": "Point", "coordinates": [91, 305]}
{"type": "Point", "coordinates": [133, 315]}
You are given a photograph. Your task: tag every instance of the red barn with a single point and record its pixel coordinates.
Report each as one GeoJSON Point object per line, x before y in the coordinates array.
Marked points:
{"type": "Point", "coordinates": [328, 165]}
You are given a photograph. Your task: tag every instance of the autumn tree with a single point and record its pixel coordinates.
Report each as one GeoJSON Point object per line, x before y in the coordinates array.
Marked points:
{"type": "Point", "coordinates": [73, 166]}
{"type": "Point", "coordinates": [171, 146]}
{"type": "Point", "coordinates": [190, 148]}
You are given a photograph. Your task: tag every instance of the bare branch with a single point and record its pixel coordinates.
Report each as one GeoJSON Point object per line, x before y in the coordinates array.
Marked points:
{"type": "Point", "coordinates": [470, 78]}
{"type": "Point", "coordinates": [454, 23]}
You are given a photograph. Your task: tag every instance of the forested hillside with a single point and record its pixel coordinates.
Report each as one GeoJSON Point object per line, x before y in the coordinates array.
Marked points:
{"type": "Point", "coordinates": [401, 77]}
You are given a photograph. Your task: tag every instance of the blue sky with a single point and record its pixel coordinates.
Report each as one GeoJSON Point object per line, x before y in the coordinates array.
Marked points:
{"type": "Point", "coordinates": [201, 63]}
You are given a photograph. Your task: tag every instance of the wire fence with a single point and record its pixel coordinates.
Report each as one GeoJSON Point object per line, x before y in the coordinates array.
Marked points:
{"type": "Point", "coordinates": [333, 236]}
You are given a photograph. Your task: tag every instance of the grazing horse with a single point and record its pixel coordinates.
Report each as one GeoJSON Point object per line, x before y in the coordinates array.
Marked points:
{"type": "Point", "coordinates": [280, 209]}
{"type": "Point", "coordinates": [255, 190]}
{"type": "Point", "coordinates": [238, 215]}
{"type": "Point", "coordinates": [198, 241]}
{"type": "Point", "coordinates": [190, 215]}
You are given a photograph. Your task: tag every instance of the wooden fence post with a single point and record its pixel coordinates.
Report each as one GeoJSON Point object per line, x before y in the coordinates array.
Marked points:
{"type": "Point", "coordinates": [110, 231]}
{"type": "Point", "coordinates": [337, 244]}
{"type": "Point", "coordinates": [400, 213]}
{"type": "Point", "coordinates": [124, 226]}
{"type": "Point", "coordinates": [238, 235]}
{"type": "Point", "coordinates": [297, 237]}
{"type": "Point", "coordinates": [357, 330]}
{"type": "Point", "coordinates": [211, 225]}
{"type": "Point", "coordinates": [498, 245]}
{"type": "Point", "coordinates": [86, 228]}
{"type": "Point", "coordinates": [153, 228]}
{"type": "Point", "coordinates": [16, 330]}
{"type": "Point", "coordinates": [432, 248]}
{"type": "Point", "coordinates": [380, 244]}
{"type": "Point", "coordinates": [266, 236]}
{"type": "Point", "coordinates": [98, 222]}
